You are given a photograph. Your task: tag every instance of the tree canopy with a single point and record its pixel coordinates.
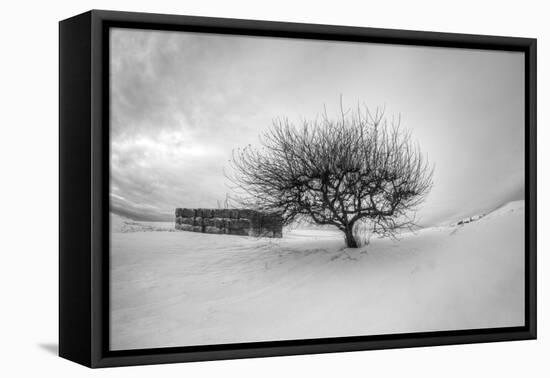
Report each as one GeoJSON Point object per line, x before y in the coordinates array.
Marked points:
{"type": "Point", "coordinates": [358, 168]}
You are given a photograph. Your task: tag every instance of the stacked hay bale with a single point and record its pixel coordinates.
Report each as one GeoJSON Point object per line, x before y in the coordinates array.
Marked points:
{"type": "Point", "coordinates": [229, 221]}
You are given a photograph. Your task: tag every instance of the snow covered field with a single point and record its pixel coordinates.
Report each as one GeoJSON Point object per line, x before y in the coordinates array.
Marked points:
{"type": "Point", "coordinates": [183, 288]}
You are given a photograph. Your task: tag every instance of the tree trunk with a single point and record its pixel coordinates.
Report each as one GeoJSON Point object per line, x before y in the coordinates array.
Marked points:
{"type": "Point", "coordinates": [350, 240]}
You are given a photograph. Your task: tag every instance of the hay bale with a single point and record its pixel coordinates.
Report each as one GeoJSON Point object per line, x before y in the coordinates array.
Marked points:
{"type": "Point", "coordinates": [220, 213]}
{"type": "Point", "coordinates": [237, 231]}
{"type": "Point", "coordinates": [187, 213]}
{"type": "Point", "coordinates": [208, 222]}
{"type": "Point", "coordinates": [219, 222]}
{"type": "Point", "coordinates": [237, 226]}
{"type": "Point", "coordinates": [214, 222]}
{"type": "Point", "coordinates": [204, 213]}
{"type": "Point", "coordinates": [253, 216]}
{"type": "Point", "coordinates": [213, 230]}
{"type": "Point", "coordinates": [184, 227]}
{"type": "Point", "coordinates": [249, 214]}
{"type": "Point", "coordinates": [254, 232]}
{"type": "Point", "coordinates": [189, 221]}
{"type": "Point", "coordinates": [272, 225]}
{"type": "Point", "coordinates": [230, 221]}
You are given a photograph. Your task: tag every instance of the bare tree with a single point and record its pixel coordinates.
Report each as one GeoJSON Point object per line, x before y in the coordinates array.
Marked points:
{"type": "Point", "coordinates": [357, 169]}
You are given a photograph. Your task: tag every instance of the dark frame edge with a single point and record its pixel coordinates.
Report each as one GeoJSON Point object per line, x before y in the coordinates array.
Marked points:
{"type": "Point", "coordinates": [100, 191]}
{"type": "Point", "coordinates": [313, 31]}
{"type": "Point", "coordinates": [321, 348]}
{"type": "Point", "coordinates": [531, 180]}
{"type": "Point", "coordinates": [75, 271]}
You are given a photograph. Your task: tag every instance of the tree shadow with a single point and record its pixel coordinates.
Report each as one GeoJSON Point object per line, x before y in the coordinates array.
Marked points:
{"type": "Point", "coordinates": [51, 348]}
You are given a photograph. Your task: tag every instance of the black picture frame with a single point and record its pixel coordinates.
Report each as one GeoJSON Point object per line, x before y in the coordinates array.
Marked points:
{"type": "Point", "coordinates": [84, 188]}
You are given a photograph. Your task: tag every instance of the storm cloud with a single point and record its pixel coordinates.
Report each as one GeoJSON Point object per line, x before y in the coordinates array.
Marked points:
{"type": "Point", "coordinates": [181, 102]}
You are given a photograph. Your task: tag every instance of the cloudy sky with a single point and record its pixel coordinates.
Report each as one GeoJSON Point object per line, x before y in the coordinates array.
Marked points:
{"type": "Point", "coordinates": [180, 102]}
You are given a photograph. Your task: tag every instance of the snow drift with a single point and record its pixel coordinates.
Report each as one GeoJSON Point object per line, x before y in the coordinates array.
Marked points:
{"type": "Point", "coordinates": [184, 288]}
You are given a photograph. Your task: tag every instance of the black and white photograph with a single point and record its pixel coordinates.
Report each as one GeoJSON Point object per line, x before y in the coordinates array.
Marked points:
{"type": "Point", "coordinates": [270, 189]}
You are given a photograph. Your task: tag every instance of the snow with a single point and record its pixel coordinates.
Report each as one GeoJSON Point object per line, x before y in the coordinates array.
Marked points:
{"type": "Point", "coordinates": [184, 288]}
{"type": "Point", "coordinates": [122, 224]}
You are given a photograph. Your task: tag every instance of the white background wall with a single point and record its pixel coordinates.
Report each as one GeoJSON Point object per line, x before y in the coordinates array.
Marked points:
{"type": "Point", "coordinates": [28, 159]}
